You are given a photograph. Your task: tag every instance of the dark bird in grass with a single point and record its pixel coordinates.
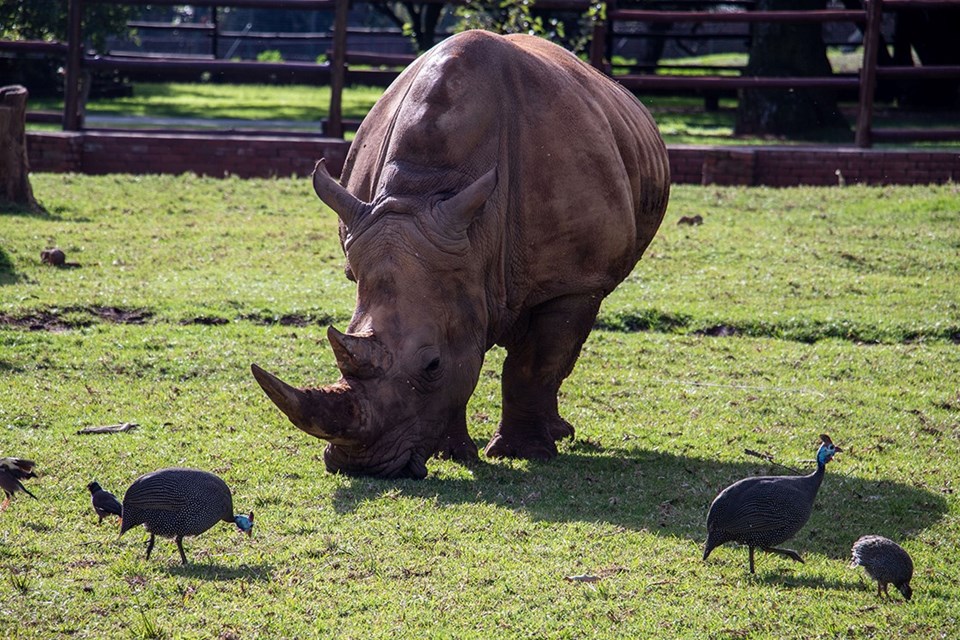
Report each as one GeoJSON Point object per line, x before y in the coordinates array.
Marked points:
{"type": "Point", "coordinates": [766, 510]}
{"type": "Point", "coordinates": [173, 503]}
{"type": "Point", "coordinates": [12, 471]}
{"type": "Point", "coordinates": [886, 562]}
{"type": "Point", "coordinates": [104, 502]}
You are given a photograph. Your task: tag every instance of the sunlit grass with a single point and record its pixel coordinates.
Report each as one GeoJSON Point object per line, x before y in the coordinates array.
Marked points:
{"type": "Point", "coordinates": [840, 314]}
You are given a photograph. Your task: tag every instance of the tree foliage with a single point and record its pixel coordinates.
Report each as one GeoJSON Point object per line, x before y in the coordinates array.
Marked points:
{"type": "Point", "coordinates": [569, 29]}
{"type": "Point", "coordinates": [418, 20]}
{"type": "Point", "coordinates": [47, 20]}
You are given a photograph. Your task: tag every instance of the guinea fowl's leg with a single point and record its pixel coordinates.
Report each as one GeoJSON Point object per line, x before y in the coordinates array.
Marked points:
{"type": "Point", "coordinates": [790, 553]}
{"type": "Point", "coordinates": [183, 556]}
{"type": "Point", "coordinates": [150, 544]}
{"type": "Point", "coordinates": [751, 560]}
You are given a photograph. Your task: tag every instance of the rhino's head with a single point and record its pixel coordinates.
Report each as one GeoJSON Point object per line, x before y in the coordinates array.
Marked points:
{"type": "Point", "coordinates": [412, 354]}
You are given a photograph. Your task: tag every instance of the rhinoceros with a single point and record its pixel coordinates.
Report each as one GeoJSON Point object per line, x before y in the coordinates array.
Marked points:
{"type": "Point", "coordinates": [494, 195]}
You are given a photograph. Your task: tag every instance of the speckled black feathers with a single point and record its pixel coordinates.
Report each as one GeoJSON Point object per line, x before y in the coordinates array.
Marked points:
{"type": "Point", "coordinates": [886, 562]}
{"type": "Point", "coordinates": [765, 511]}
{"type": "Point", "coordinates": [176, 502]}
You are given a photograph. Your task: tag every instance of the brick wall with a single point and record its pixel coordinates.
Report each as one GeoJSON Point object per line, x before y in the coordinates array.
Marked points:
{"type": "Point", "coordinates": [786, 166]}
{"type": "Point", "coordinates": [216, 155]}
{"type": "Point", "coordinates": [98, 152]}
{"type": "Point", "coordinates": [56, 152]}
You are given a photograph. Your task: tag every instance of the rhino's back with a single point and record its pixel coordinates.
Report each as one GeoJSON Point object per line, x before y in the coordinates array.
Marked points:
{"type": "Point", "coordinates": [583, 172]}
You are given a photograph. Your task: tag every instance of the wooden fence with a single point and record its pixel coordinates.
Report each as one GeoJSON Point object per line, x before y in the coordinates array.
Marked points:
{"type": "Point", "coordinates": [341, 67]}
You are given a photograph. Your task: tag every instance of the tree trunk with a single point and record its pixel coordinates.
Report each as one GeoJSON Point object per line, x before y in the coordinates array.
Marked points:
{"type": "Point", "coordinates": [14, 167]}
{"type": "Point", "coordinates": [932, 34]}
{"type": "Point", "coordinates": [784, 49]}
{"type": "Point", "coordinates": [423, 20]}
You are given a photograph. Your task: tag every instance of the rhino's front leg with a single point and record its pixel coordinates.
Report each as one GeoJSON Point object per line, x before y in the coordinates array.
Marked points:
{"type": "Point", "coordinates": [537, 363]}
{"type": "Point", "coordinates": [456, 443]}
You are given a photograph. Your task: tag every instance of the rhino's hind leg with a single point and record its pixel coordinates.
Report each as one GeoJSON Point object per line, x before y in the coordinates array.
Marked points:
{"type": "Point", "coordinates": [539, 358]}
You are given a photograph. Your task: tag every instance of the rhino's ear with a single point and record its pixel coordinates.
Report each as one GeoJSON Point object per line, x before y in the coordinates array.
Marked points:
{"type": "Point", "coordinates": [461, 209]}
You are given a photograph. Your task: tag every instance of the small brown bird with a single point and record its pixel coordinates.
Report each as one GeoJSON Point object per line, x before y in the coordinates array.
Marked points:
{"type": "Point", "coordinates": [55, 257]}
{"type": "Point", "coordinates": [886, 562]}
{"type": "Point", "coordinates": [104, 502]}
{"type": "Point", "coordinates": [12, 471]}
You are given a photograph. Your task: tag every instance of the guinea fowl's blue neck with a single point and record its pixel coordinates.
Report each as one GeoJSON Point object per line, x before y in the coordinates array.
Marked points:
{"type": "Point", "coordinates": [816, 477]}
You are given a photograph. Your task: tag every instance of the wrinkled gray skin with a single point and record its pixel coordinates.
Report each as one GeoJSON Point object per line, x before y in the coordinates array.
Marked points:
{"type": "Point", "coordinates": [496, 193]}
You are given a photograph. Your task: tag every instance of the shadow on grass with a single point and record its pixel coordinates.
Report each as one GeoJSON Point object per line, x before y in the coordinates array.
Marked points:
{"type": "Point", "coordinates": [8, 275]}
{"type": "Point", "coordinates": [13, 209]}
{"type": "Point", "coordinates": [218, 572]}
{"type": "Point", "coordinates": [791, 580]}
{"type": "Point", "coordinates": [666, 494]}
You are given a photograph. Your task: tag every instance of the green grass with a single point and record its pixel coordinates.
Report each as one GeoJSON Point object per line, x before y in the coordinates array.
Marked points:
{"type": "Point", "coordinates": [845, 318]}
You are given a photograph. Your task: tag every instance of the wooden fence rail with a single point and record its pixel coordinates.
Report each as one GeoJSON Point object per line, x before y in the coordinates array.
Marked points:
{"type": "Point", "coordinates": [342, 66]}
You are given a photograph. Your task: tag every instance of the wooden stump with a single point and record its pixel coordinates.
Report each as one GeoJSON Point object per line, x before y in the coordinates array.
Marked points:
{"type": "Point", "coordinates": [14, 166]}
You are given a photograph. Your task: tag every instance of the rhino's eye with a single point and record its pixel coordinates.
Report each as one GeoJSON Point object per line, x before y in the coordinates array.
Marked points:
{"type": "Point", "coordinates": [432, 366]}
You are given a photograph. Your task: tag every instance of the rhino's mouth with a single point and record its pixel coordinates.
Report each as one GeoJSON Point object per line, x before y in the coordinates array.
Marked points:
{"type": "Point", "coordinates": [406, 462]}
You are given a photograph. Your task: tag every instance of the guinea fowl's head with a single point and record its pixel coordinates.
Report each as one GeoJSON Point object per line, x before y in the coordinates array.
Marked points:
{"type": "Point", "coordinates": [827, 450]}
{"type": "Point", "coordinates": [244, 523]}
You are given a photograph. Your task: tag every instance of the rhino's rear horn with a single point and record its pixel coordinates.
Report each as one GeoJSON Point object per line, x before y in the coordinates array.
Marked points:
{"type": "Point", "coordinates": [345, 204]}
{"type": "Point", "coordinates": [331, 413]}
{"type": "Point", "coordinates": [358, 356]}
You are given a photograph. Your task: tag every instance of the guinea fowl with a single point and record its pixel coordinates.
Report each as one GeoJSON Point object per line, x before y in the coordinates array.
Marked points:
{"type": "Point", "coordinates": [104, 502]}
{"type": "Point", "coordinates": [766, 510]}
{"type": "Point", "coordinates": [176, 502]}
{"type": "Point", "coordinates": [886, 562]}
{"type": "Point", "coordinates": [12, 471]}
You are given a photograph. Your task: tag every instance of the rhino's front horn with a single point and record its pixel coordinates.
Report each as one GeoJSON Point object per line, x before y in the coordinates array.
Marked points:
{"type": "Point", "coordinates": [345, 204]}
{"type": "Point", "coordinates": [331, 413]}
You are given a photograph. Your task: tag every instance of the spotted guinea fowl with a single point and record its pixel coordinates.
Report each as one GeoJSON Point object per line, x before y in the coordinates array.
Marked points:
{"type": "Point", "coordinates": [886, 562]}
{"type": "Point", "coordinates": [766, 510]}
{"type": "Point", "coordinates": [12, 471]}
{"type": "Point", "coordinates": [104, 502]}
{"type": "Point", "coordinates": [175, 502]}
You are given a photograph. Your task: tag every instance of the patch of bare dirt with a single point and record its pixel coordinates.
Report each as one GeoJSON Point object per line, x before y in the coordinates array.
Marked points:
{"type": "Point", "coordinates": [288, 320]}
{"type": "Point", "coordinates": [209, 321]}
{"type": "Point", "coordinates": [718, 331]}
{"type": "Point", "coordinates": [74, 318]}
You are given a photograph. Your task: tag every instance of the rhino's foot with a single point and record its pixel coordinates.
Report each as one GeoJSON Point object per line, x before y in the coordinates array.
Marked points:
{"type": "Point", "coordinates": [560, 428]}
{"type": "Point", "coordinates": [459, 449]}
{"type": "Point", "coordinates": [524, 447]}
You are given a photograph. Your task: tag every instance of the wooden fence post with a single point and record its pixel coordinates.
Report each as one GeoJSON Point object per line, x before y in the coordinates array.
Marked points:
{"type": "Point", "coordinates": [868, 73]}
{"type": "Point", "coordinates": [71, 101]}
{"type": "Point", "coordinates": [338, 70]}
{"type": "Point", "coordinates": [14, 166]}
{"type": "Point", "coordinates": [215, 35]}
{"type": "Point", "coordinates": [598, 42]}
